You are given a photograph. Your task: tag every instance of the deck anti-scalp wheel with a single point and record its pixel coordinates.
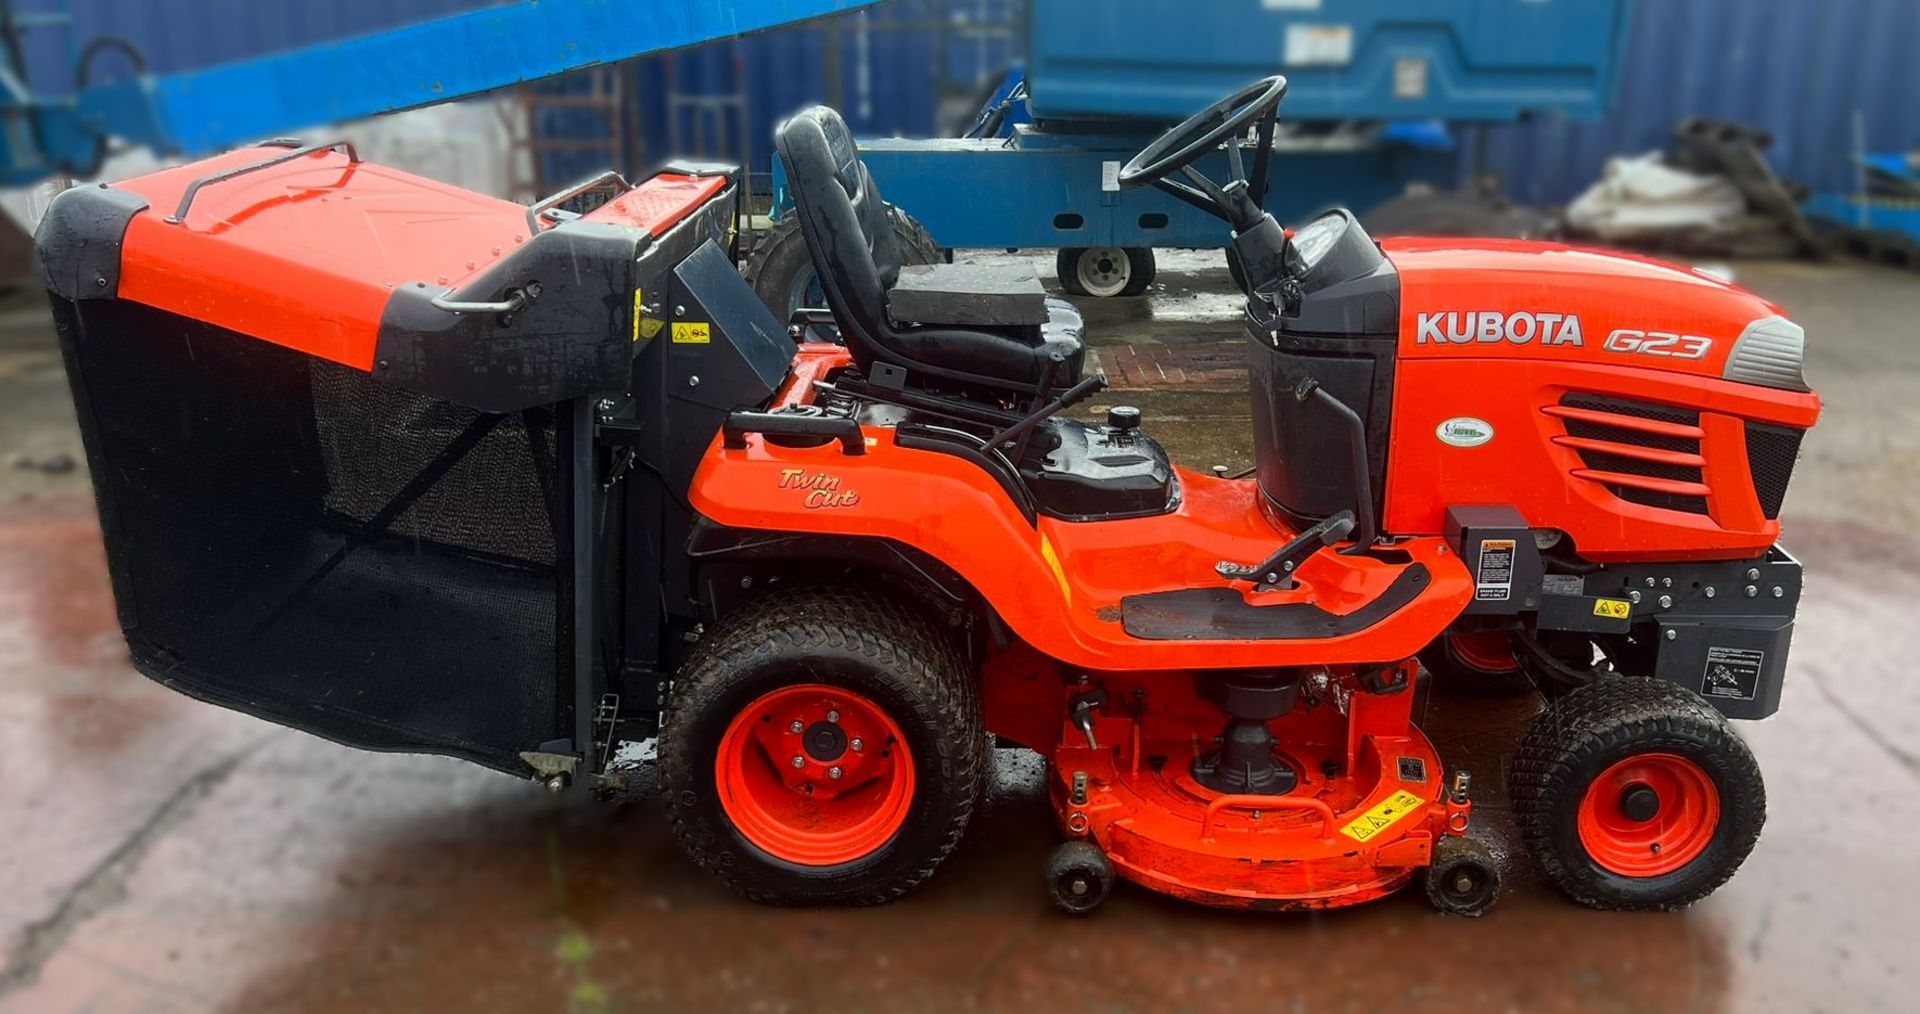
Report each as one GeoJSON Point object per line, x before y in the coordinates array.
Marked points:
{"type": "Point", "coordinates": [1079, 877]}
{"type": "Point", "coordinates": [1464, 878]}
{"type": "Point", "coordinates": [821, 748]}
{"type": "Point", "coordinates": [1633, 793]}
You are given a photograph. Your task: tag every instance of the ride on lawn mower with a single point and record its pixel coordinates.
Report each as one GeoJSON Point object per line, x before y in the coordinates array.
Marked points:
{"type": "Point", "coordinates": [416, 469]}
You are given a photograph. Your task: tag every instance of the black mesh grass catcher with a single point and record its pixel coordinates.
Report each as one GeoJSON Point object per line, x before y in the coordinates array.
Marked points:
{"type": "Point", "coordinates": [294, 539]}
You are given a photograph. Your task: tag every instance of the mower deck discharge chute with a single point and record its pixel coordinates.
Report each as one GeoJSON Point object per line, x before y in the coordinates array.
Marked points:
{"type": "Point", "coordinates": [420, 470]}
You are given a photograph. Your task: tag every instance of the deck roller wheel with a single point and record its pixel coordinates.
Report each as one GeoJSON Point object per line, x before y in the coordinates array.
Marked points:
{"type": "Point", "coordinates": [1079, 877]}
{"type": "Point", "coordinates": [1464, 878]}
{"type": "Point", "coordinates": [1633, 793]}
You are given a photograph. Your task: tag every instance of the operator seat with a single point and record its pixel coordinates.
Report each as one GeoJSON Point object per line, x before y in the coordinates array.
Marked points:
{"type": "Point", "coordinates": [854, 252]}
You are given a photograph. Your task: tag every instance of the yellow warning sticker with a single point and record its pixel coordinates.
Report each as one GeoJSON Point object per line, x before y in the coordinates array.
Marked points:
{"type": "Point", "coordinates": [692, 333]}
{"type": "Point", "coordinates": [1612, 609]}
{"type": "Point", "coordinates": [1389, 812]}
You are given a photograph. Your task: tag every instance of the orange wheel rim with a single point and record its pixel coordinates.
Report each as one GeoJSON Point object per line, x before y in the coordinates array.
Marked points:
{"type": "Point", "coordinates": [1649, 815]}
{"type": "Point", "coordinates": [1487, 652]}
{"type": "Point", "coordinates": [815, 775]}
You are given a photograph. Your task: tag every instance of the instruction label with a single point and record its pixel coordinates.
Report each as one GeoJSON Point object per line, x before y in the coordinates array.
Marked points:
{"type": "Point", "coordinates": [692, 333]}
{"type": "Point", "coordinates": [1494, 580]}
{"type": "Point", "coordinates": [1390, 811]}
{"type": "Point", "coordinates": [1732, 673]}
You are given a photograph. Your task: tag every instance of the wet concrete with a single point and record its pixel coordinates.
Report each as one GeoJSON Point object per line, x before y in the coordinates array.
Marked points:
{"type": "Point", "coordinates": [158, 854]}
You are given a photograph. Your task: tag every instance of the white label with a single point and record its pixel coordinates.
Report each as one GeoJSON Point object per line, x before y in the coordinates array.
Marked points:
{"type": "Point", "coordinates": [1464, 431]}
{"type": "Point", "coordinates": [1109, 176]}
{"type": "Point", "coordinates": [1291, 5]}
{"type": "Point", "coordinates": [1319, 45]}
{"type": "Point", "coordinates": [1410, 77]}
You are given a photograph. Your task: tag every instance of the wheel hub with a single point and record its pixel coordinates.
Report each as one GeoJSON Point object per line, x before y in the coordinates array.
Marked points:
{"type": "Point", "coordinates": [1639, 802]}
{"type": "Point", "coordinates": [1649, 815]}
{"type": "Point", "coordinates": [825, 741]}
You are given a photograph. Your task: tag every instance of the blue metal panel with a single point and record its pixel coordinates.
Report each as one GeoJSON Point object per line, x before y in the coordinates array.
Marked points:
{"type": "Point", "coordinates": [1463, 60]}
{"type": "Point", "coordinates": [986, 193]}
{"type": "Point", "coordinates": [1804, 70]}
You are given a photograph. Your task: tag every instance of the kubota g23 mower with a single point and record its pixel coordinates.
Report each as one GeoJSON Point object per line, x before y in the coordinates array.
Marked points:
{"type": "Point", "coordinates": [417, 469]}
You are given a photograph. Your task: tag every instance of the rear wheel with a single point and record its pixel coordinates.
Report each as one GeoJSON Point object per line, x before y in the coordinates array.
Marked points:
{"type": "Point", "coordinates": [1477, 664]}
{"type": "Point", "coordinates": [781, 271]}
{"type": "Point", "coordinates": [1104, 271]}
{"type": "Point", "coordinates": [823, 748]}
{"type": "Point", "coordinates": [1633, 793]}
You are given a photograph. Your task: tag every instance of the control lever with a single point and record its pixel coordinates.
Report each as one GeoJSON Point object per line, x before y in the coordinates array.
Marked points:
{"type": "Point", "coordinates": [1277, 570]}
{"type": "Point", "coordinates": [1081, 711]}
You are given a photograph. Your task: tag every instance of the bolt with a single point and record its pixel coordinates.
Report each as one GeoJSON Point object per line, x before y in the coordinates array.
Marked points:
{"type": "Point", "coordinates": [1710, 592]}
{"type": "Point", "coordinates": [1752, 591]}
{"type": "Point", "coordinates": [1633, 596]}
{"type": "Point", "coordinates": [1080, 886]}
{"type": "Point", "coordinates": [557, 783]}
{"type": "Point", "coordinates": [679, 311]}
{"type": "Point", "coordinates": [799, 761]}
{"type": "Point", "coordinates": [834, 772]}
{"type": "Point", "coordinates": [1753, 574]}
{"type": "Point", "coordinates": [1649, 582]}
{"type": "Point", "coordinates": [1779, 592]}
{"type": "Point", "coordinates": [693, 381]}
{"type": "Point", "coordinates": [1463, 884]}
{"type": "Point", "coordinates": [857, 745]}
{"type": "Point", "coordinates": [1666, 582]}
{"type": "Point", "coordinates": [796, 727]}
{"type": "Point", "coordinates": [1673, 635]}
{"type": "Point", "coordinates": [102, 282]}
{"type": "Point", "coordinates": [834, 717]}
{"type": "Point", "coordinates": [1666, 602]}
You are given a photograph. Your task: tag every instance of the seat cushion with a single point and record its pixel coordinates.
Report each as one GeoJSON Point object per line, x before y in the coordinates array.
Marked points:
{"type": "Point", "coordinates": [988, 295]}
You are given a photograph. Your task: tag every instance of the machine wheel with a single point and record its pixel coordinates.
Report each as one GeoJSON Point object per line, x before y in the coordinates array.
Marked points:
{"type": "Point", "coordinates": [1079, 877]}
{"type": "Point", "coordinates": [780, 269]}
{"type": "Point", "coordinates": [1477, 664]}
{"type": "Point", "coordinates": [1105, 270]}
{"type": "Point", "coordinates": [1464, 878]}
{"type": "Point", "coordinates": [1633, 793]}
{"type": "Point", "coordinates": [822, 748]}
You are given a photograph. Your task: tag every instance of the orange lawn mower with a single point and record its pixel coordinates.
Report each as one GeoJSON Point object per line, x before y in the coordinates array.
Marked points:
{"type": "Point", "coordinates": [416, 469]}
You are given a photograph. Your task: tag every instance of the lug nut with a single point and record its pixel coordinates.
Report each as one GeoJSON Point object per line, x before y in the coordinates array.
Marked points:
{"type": "Point", "coordinates": [834, 717]}
{"type": "Point", "coordinates": [834, 772]}
{"type": "Point", "coordinates": [857, 745]}
{"type": "Point", "coordinates": [799, 761]}
{"type": "Point", "coordinates": [796, 727]}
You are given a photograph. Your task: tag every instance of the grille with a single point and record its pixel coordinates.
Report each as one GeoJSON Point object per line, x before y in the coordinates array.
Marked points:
{"type": "Point", "coordinates": [1771, 454]}
{"type": "Point", "coordinates": [1623, 437]}
{"type": "Point", "coordinates": [293, 539]}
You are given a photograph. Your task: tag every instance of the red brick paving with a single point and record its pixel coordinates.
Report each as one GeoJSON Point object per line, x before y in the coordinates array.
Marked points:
{"type": "Point", "coordinates": [1221, 364]}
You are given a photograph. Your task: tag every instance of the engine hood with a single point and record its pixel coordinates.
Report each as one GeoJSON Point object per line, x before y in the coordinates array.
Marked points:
{"type": "Point", "coordinates": [1510, 299]}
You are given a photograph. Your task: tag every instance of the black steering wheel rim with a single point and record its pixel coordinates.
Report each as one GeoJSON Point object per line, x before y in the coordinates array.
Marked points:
{"type": "Point", "coordinates": [1167, 154]}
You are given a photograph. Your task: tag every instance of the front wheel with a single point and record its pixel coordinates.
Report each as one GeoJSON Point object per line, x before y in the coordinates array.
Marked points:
{"type": "Point", "coordinates": [824, 748]}
{"type": "Point", "coordinates": [1633, 793]}
{"type": "Point", "coordinates": [1104, 271]}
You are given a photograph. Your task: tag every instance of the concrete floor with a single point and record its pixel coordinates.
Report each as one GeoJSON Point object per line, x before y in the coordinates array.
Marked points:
{"type": "Point", "coordinates": [158, 854]}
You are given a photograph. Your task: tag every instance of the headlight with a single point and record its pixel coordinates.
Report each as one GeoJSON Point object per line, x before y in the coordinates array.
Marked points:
{"type": "Point", "coordinates": [1769, 353]}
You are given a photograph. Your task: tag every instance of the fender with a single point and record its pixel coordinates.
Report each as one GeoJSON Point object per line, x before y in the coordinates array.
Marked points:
{"type": "Point", "coordinates": [1057, 584]}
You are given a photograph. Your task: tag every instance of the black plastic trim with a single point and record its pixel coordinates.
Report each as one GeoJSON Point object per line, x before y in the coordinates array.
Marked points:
{"type": "Point", "coordinates": [79, 241]}
{"type": "Point", "coordinates": [1223, 613]}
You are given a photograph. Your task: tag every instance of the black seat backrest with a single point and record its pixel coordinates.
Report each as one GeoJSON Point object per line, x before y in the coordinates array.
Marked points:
{"type": "Point", "coordinates": [842, 217]}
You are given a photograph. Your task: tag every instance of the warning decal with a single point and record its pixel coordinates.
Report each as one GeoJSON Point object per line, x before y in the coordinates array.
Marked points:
{"type": "Point", "coordinates": [1732, 673]}
{"type": "Point", "coordinates": [1613, 609]}
{"type": "Point", "coordinates": [686, 333]}
{"type": "Point", "coordinates": [1389, 812]}
{"type": "Point", "coordinates": [1495, 579]}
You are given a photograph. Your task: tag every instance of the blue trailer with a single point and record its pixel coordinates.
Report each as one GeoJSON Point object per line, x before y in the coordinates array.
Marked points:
{"type": "Point", "coordinates": [1371, 82]}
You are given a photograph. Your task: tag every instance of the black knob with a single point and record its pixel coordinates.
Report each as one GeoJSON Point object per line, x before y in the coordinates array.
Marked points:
{"type": "Point", "coordinates": [1123, 418]}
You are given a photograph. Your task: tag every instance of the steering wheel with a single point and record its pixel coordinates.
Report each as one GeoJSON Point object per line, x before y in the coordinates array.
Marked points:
{"type": "Point", "coordinates": [1225, 120]}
